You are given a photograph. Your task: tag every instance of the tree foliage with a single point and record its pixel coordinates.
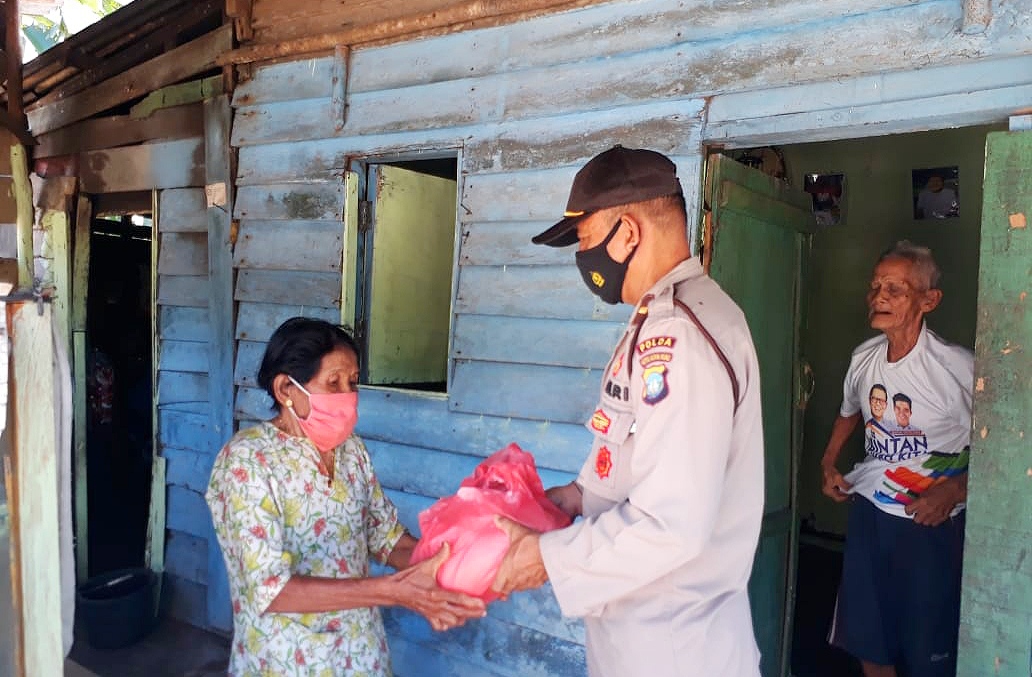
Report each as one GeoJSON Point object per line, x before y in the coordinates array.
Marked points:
{"type": "Point", "coordinates": [46, 31]}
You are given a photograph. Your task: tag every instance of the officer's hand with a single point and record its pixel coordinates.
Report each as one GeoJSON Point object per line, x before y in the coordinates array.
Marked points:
{"type": "Point", "coordinates": [522, 567]}
{"type": "Point", "coordinates": [834, 484]}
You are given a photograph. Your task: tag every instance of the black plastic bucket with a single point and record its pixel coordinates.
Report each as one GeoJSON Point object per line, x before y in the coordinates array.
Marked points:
{"type": "Point", "coordinates": [116, 609]}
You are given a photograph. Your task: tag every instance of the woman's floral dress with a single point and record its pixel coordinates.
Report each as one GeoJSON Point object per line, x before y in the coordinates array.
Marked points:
{"type": "Point", "coordinates": [275, 516]}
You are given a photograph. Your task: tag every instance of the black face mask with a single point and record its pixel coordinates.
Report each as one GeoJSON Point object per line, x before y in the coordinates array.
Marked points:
{"type": "Point", "coordinates": [603, 275]}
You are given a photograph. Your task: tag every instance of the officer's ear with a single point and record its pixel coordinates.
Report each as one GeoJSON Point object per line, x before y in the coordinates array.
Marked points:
{"type": "Point", "coordinates": [629, 235]}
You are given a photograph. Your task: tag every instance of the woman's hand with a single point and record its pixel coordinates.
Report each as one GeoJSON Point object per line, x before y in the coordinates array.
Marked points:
{"type": "Point", "coordinates": [567, 497]}
{"type": "Point", "coordinates": [416, 589]}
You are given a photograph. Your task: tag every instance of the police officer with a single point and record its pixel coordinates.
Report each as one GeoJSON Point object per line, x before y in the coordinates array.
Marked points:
{"type": "Point", "coordinates": [671, 494]}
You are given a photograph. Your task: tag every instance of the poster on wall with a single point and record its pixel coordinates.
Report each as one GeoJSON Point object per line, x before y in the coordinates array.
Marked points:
{"type": "Point", "coordinates": [827, 192]}
{"type": "Point", "coordinates": [936, 192]}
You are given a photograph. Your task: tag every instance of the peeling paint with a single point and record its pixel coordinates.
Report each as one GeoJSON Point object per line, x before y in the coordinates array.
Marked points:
{"type": "Point", "coordinates": [1018, 221]}
{"type": "Point", "coordinates": [980, 385]}
{"type": "Point", "coordinates": [984, 432]}
{"type": "Point", "coordinates": [306, 205]}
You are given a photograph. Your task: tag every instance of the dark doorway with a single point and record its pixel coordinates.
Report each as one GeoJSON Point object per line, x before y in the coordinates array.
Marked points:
{"type": "Point", "coordinates": [119, 390]}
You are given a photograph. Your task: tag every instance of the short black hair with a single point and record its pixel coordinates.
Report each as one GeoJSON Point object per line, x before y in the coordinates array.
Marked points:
{"type": "Point", "coordinates": [297, 348]}
{"type": "Point", "coordinates": [878, 386]}
{"type": "Point", "coordinates": [900, 397]}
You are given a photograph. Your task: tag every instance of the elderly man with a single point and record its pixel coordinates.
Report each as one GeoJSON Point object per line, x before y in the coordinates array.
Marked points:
{"type": "Point", "coordinates": [899, 602]}
{"type": "Point", "coordinates": [672, 492]}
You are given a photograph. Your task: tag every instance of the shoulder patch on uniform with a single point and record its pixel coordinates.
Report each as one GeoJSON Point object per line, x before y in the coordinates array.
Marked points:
{"type": "Point", "coordinates": [656, 342]}
{"type": "Point", "coordinates": [617, 364]}
{"type": "Point", "coordinates": [600, 422]}
{"type": "Point", "coordinates": [656, 386]}
{"type": "Point", "coordinates": [603, 463]}
{"type": "Point", "coordinates": [652, 358]}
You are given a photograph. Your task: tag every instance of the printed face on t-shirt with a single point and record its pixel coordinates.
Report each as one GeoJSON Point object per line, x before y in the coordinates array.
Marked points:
{"type": "Point", "coordinates": [902, 410]}
{"type": "Point", "coordinates": [879, 400]}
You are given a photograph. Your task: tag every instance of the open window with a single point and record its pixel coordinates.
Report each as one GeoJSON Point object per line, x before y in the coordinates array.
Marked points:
{"type": "Point", "coordinates": [399, 267]}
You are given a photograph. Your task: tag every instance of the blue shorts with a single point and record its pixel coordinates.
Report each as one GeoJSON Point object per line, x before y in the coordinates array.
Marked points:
{"type": "Point", "coordinates": [899, 600]}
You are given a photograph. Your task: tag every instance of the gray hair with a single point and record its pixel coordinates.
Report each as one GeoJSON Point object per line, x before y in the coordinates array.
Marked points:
{"type": "Point", "coordinates": [921, 257]}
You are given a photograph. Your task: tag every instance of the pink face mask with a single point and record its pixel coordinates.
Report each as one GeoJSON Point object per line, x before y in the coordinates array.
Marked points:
{"type": "Point", "coordinates": [331, 417]}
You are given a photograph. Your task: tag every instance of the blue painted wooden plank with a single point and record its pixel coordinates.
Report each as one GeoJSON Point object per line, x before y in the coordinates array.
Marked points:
{"type": "Point", "coordinates": [176, 388]}
{"type": "Point", "coordinates": [183, 254]}
{"type": "Point", "coordinates": [508, 243]}
{"type": "Point", "coordinates": [169, 164]}
{"type": "Point", "coordinates": [217, 118]}
{"type": "Point", "coordinates": [419, 420]}
{"type": "Point", "coordinates": [253, 404]}
{"type": "Point", "coordinates": [531, 291]}
{"type": "Point", "coordinates": [525, 391]}
{"type": "Point", "coordinates": [184, 290]}
{"type": "Point", "coordinates": [294, 201]}
{"type": "Point", "coordinates": [257, 321]}
{"type": "Point", "coordinates": [188, 468]}
{"type": "Point", "coordinates": [300, 79]}
{"type": "Point", "coordinates": [186, 556]}
{"type": "Point", "coordinates": [187, 512]}
{"type": "Point", "coordinates": [290, 287]}
{"type": "Point", "coordinates": [183, 324]}
{"type": "Point", "coordinates": [409, 506]}
{"type": "Point", "coordinates": [868, 90]}
{"type": "Point", "coordinates": [187, 431]}
{"type": "Point", "coordinates": [248, 359]}
{"type": "Point", "coordinates": [570, 137]}
{"type": "Point", "coordinates": [539, 610]}
{"type": "Point", "coordinates": [297, 245]}
{"type": "Point", "coordinates": [321, 159]}
{"type": "Point", "coordinates": [430, 473]}
{"type": "Point", "coordinates": [188, 356]}
{"type": "Point", "coordinates": [954, 110]}
{"type": "Point", "coordinates": [493, 644]}
{"type": "Point", "coordinates": [565, 343]}
{"type": "Point", "coordinates": [185, 600]}
{"type": "Point", "coordinates": [414, 420]}
{"type": "Point", "coordinates": [182, 210]}
{"type": "Point", "coordinates": [557, 38]}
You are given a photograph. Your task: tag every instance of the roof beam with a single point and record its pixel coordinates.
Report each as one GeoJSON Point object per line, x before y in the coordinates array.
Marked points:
{"type": "Point", "coordinates": [174, 66]}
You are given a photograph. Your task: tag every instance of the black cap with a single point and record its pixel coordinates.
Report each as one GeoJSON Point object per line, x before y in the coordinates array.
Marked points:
{"type": "Point", "coordinates": [614, 177]}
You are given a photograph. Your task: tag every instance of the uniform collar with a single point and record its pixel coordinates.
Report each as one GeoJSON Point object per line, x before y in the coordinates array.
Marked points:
{"type": "Point", "coordinates": [685, 270]}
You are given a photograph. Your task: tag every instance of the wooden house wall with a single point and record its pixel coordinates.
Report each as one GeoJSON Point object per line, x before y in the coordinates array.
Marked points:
{"type": "Point", "coordinates": [523, 106]}
{"type": "Point", "coordinates": [185, 435]}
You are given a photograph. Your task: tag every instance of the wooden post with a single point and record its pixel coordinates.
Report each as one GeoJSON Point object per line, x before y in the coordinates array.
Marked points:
{"type": "Point", "coordinates": [24, 220]}
{"type": "Point", "coordinates": [219, 192]}
{"type": "Point", "coordinates": [80, 288]}
{"type": "Point", "coordinates": [35, 567]}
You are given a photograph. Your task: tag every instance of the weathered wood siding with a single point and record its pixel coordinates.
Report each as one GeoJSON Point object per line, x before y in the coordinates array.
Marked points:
{"type": "Point", "coordinates": [523, 106]}
{"type": "Point", "coordinates": [185, 435]}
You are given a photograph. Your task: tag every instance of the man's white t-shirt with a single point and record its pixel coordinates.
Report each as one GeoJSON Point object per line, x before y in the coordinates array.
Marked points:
{"type": "Point", "coordinates": [921, 438]}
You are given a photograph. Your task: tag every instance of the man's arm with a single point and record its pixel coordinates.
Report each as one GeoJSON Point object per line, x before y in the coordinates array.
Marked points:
{"type": "Point", "coordinates": [834, 484]}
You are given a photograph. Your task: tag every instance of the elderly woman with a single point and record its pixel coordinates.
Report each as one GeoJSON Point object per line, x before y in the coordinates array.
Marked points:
{"type": "Point", "coordinates": [899, 601]}
{"type": "Point", "coordinates": [299, 513]}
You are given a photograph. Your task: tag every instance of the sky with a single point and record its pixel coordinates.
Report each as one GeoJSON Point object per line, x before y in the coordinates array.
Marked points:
{"type": "Point", "coordinates": [77, 16]}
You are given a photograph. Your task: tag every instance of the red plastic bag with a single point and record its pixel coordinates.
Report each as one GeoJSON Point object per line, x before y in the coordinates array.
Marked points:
{"type": "Point", "coordinates": [506, 483]}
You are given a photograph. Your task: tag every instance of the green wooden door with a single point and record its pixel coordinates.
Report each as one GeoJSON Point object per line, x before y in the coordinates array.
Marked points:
{"type": "Point", "coordinates": [756, 241]}
{"type": "Point", "coordinates": [996, 607]}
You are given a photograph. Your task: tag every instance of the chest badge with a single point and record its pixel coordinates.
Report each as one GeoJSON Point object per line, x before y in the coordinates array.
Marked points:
{"type": "Point", "coordinates": [600, 422]}
{"type": "Point", "coordinates": [656, 387]}
{"type": "Point", "coordinates": [603, 463]}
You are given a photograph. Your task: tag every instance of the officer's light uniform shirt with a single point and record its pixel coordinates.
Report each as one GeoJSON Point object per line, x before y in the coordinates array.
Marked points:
{"type": "Point", "coordinates": [673, 495]}
{"type": "Point", "coordinates": [932, 384]}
